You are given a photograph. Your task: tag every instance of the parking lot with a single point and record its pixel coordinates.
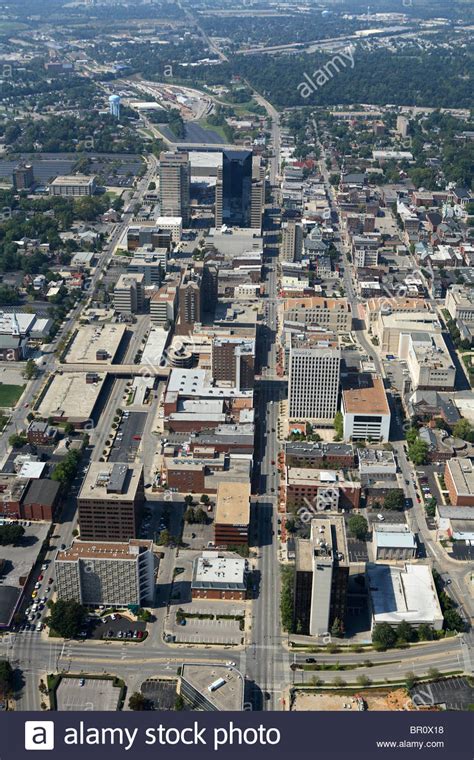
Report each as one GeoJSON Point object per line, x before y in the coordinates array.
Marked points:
{"type": "Point", "coordinates": [199, 536]}
{"type": "Point", "coordinates": [391, 516]}
{"type": "Point", "coordinates": [126, 444]}
{"type": "Point", "coordinates": [161, 694]}
{"type": "Point", "coordinates": [357, 550]}
{"type": "Point", "coordinates": [455, 693]}
{"type": "Point", "coordinates": [95, 694]}
{"type": "Point", "coordinates": [207, 631]}
{"type": "Point", "coordinates": [120, 629]}
{"type": "Point", "coordinates": [463, 552]}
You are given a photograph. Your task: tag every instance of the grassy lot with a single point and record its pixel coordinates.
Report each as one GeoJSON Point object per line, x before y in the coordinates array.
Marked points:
{"type": "Point", "coordinates": [218, 130]}
{"type": "Point", "coordinates": [9, 394]}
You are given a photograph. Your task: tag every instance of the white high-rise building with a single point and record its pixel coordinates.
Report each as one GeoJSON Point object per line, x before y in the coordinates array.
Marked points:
{"type": "Point", "coordinates": [174, 185]}
{"type": "Point", "coordinates": [314, 374]}
{"type": "Point", "coordinates": [97, 572]}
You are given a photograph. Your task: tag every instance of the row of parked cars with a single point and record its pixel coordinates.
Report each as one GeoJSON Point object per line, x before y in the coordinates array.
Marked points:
{"type": "Point", "coordinates": [123, 634]}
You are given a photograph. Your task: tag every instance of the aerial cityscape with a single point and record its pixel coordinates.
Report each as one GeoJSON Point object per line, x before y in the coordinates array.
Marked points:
{"type": "Point", "coordinates": [236, 355]}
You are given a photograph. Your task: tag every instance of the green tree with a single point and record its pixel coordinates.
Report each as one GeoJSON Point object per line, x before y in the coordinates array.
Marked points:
{"type": "Point", "coordinates": [406, 632]}
{"type": "Point", "coordinates": [11, 534]}
{"type": "Point", "coordinates": [69, 428]}
{"type": "Point", "coordinates": [31, 370]}
{"type": "Point", "coordinates": [6, 677]}
{"type": "Point", "coordinates": [138, 702]}
{"type": "Point", "coordinates": [286, 599]}
{"type": "Point", "coordinates": [17, 441]}
{"type": "Point", "coordinates": [462, 429]}
{"type": "Point", "coordinates": [418, 452]}
{"type": "Point", "coordinates": [179, 703]}
{"type": "Point", "coordinates": [66, 470]}
{"type": "Point", "coordinates": [339, 426]}
{"type": "Point", "coordinates": [453, 621]}
{"type": "Point", "coordinates": [358, 526]}
{"type": "Point", "coordinates": [189, 500]}
{"type": "Point", "coordinates": [425, 632]}
{"type": "Point", "coordinates": [290, 525]}
{"type": "Point", "coordinates": [165, 538]}
{"type": "Point", "coordinates": [410, 680]}
{"type": "Point", "coordinates": [204, 499]}
{"type": "Point", "coordinates": [384, 635]}
{"type": "Point", "coordinates": [67, 618]}
{"type": "Point", "coordinates": [411, 434]}
{"type": "Point", "coordinates": [337, 629]}
{"type": "Point", "coordinates": [200, 516]}
{"type": "Point", "coordinates": [395, 499]}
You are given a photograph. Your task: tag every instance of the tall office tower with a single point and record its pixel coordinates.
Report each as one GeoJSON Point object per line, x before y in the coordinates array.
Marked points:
{"type": "Point", "coordinates": [233, 361]}
{"type": "Point", "coordinates": [23, 177]}
{"type": "Point", "coordinates": [291, 241]}
{"type": "Point", "coordinates": [128, 293]}
{"type": "Point", "coordinates": [190, 302]}
{"type": "Point", "coordinates": [314, 380]}
{"type": "Point", "coordinates": [175, 175]}
{"type": "Point", "coordinates": [114, 106]}
{"type": "Point", "coordinates": [95, 573]}
{"type": "Point", "coordinates": [234, 189]}
{"type": "Point", "coordinates": [257, 193]}
{"type": "Point", "coordinates": [110, 500]}
{"type": "Point", "coordinates": [209, 274]}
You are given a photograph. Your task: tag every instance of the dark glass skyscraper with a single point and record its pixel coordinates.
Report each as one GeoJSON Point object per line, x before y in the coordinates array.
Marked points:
{"type": "Point", "coordinates": [236, 187]}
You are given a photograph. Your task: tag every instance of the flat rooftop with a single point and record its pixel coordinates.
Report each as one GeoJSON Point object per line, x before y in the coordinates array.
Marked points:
{"type": "Point", "coordinates": [370, 399]}
{"type": "Point", "coordinates": [406, 593]}
{"type": "Point", "coordinates": [317, 302]}
{"type": "Point", "coordinates": [16, 323]}
{"type": "Point", "coordinates": [462, 473]}
{"type": "Point", "coordinates": [233, 504]}
{"type": "Point", "coordinates": [111, 481]}
{"type": "Point", "coordinates": [303, 448]}
{"type": "Point", "coordinates": [215, 572]}
{"type": "Point", "coordinates": [230, 695]}
{"type": "Point", "coordinates": [73, 179]}
{"type": "Point", "coordinates": [312, 477]}
{"type": "Point", "coordinates": [104, 550]}
{"type": "Point", "coordinates": [70, 397]}
{"type": "Point", "coordinates": [154, 347]}
{"type": "Point", "coordinates": [394, 536]}
{"type": "Point", "coordinates": [331, 530]}
{"type": "Point", "coordinates": [92, 338]}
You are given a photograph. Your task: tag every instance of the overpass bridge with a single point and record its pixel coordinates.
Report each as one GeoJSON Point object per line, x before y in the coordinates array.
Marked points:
{"type": "Point", "coordinates": [119, 370]}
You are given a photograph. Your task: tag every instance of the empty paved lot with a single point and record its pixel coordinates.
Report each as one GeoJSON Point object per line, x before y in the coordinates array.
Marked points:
{"type": "Point", "coordinates": [455, 693]}
{"type": "Point", "coordinates": [96, 694]}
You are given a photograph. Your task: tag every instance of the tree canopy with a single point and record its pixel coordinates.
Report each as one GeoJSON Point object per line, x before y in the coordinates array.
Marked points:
{"type": "Point", "coordinates": [67, 618]}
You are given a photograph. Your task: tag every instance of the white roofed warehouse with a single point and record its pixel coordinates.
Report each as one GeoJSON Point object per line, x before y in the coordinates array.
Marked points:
{"type": "Point", "coordinates": [218, 577]}
{"type": "Point", "coordinates": [403, 593]}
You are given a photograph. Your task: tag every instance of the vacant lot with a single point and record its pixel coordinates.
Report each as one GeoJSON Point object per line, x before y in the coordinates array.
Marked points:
{"type": "Point", "coordinates": [9, 394]}
{"type": "Point", "coordinates": [374, 700]}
